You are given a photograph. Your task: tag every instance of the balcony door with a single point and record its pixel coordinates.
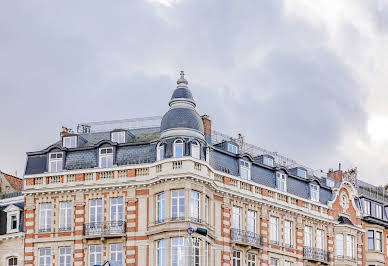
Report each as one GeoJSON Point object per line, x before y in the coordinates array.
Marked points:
{"type": "Point", "coordinates": [116, 215]}
{"type": "Point", "coordinates": [95, 216]}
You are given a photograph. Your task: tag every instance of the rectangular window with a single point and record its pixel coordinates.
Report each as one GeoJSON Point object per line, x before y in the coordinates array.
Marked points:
{"type": "Point", "coordinates": [45, 217]}
{"type": "Point", "coordinates": [207, 210]}
{"type": "Point", "coordinates": [273, 262]}
{"type": "Point", "coordinates": [195, 150]}
{"type": "Point", "coordinates": [371, 240]}
{"type": "Point", "coordinates": [207, 253]}
{"type": "Point", "coordinates": [350, 252]}
{"type": "Point", "coordinates": [95, 211]}
{"type": "Point", "coordinates": [116, 254]}
{"type": "Point", "coordinates": [69, 142]}
{"type": "Point", "coordinates": [339, 245]}
{"type": "Point", "coordinates": [194, 206]}
{"type": "Point", "coordinates": [379, 246]}
{"type": "Point", "coordinates": [12, 261]}
{"type": "Point", "coordinates": [178, 148]}
{"type": "Point", "coordinates": [118, 136]}
{"type": "Point", "coordinates": [288, 263]}
{"type": "Point", "coordinates": [55, 162]}
{"type": "Point", "coordinates": [95, 255]}
{"type": "Point", "coordinates": [236, 214]}
{"type": "Point", "coordinates": [308, 236]}
{"type": "Point", "coordinates": [65, 256]}
{"type": "Point", "coordinates": [177, 204]}
{"type": "Point", "coordinates": [320, 239]}
{"type": "Point", "coordinates": [14, 222]}
{"type": "Point", "coordinates": [288, 233]}
{"type": "Point", "coordinates": [177, 251]}
{"type": "Point", "coordinates": [161, 253]}
{"type": "Point", "coordinates": [251, 259]}
{"type": "Point", "coordinates": [273, 230]}
{"type": "Point", "coordinates": [245, 170]}
{"type": "Point", "coordinates": [314, 192]}
{"type": "Point", "coordinates": [281, 181]}
{"type": "Point", "coordinates": [232, 148]}
{"type": "Point", "coordinates": [268, 161]}
{"type": "Point", "coordinates": [65, 215]}
{"type": "Point", "coordinates": [44, 257]}
{"type": "Point", "coordinates": [106, 157]}
{"type": "Point", "coordinates": [195, 252]}
{"type": "Point", "coordinates": [160, 207]}
{"type": "Point", "coordinates": [236, 258]}
{"type": "Point", "coordinates": [116, 209]}
{"type": "Point", "coordinates": [379, 211]}
{"type": "Point", "coordinates": [160, 152]}
{"type": "Point", "coordinates": [301, 172]}
{"type": "Point", "coordinates": [251, 225]}
{"type": "Point", "coordinates": [366, 207]}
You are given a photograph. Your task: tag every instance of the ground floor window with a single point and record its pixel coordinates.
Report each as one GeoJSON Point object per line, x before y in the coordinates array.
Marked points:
{"type": "Point", "coordinates": [116, 254]}
{"type": "Point", "coordinates": [288, 263]}
{"type": "Point", "coordinates": [251, 259]}
{"type": "Point", "coordinates": [64, 256]}
{"type": "Point", "coordinates": [273, 262]}
{"type": "Point", "coordinates": [236, 258]}
{"type": "Point", "coordinates": [195, 256]}
{"type": "Point", "coordinates": [44, 257]}
{"type": "Point", "coordinates": [177, 251]}
{"type": "Point", "coordinates": [95, 255]}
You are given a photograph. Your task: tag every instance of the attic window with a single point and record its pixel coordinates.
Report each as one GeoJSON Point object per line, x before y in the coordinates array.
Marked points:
{"type": "Point", "coordinates": [118, 136]}
{"type": "Point", "coordinates": [314, 192]}
{"type": "Point", "coordinates": [55, 162]}
{"type": "Point", "coordinates": [245, 170]}
{"type": "Point", "coordinates": [301, 172]}
{"type": "Point", "coordinates": [195, 150]}
{"type": "Point", "coordinates": [106, 157]}
{"type": "Point", "coordinates": [69, 142]}
{"type": "Point", "coordinates": [268, 161]}
{"type": "Point", "coordinates": [232, 148]}
{"type": "Point", "coordinates": [178, 148]}
{"type": "Point", "coordinates": [160, 152]}
{"type": "Point", "coordinates": [330, 182]}
{"type": "Point", "coordinates": [281, 181]}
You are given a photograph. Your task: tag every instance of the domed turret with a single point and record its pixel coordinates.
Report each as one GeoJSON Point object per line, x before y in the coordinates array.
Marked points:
{"type": "Point", "coordinates": [182, 119]}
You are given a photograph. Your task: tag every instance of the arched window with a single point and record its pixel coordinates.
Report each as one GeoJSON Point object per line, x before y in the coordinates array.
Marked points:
{"type": "Point", "coordinates": [178, 148]}
{"type": "Point", "coordinates": [12, 261]}
{"type": "Point", "coordinates": [160, 152]}
{"type": "Point", "coordinates": [195, 148]}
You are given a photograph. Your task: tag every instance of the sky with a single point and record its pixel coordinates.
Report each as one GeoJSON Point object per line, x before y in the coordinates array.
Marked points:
{"type": "Point", "coordinates": [303, 78]}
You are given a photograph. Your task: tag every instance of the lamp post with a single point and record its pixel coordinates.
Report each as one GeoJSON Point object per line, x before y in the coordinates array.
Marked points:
{"type": "Point", "coordinates": [190, 231]}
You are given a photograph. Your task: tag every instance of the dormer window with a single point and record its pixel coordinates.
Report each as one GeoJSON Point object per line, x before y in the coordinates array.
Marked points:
{"type": "Point", "coordinates": [366, 207]}
{"type": "Point", "coordinates": [118, 136]}
{"type": "Point", "coordinates": [13, 217]}
{"type": "Point", "coordinates": [281, 181]}
{"type": "Point", "coordinates": [232, 148]}
{"type": "Point", "coordinates": [245, 170]}
{"type": "Point", "coordinates": [160, 152]}
{"type": "Point", "coordinates": [178, 148]}
{"type": "Point", "coordinates": [301, 172]}
{"type": "Point", "coordinates": [69, 142]}
{"type": "Point", "coordinates": [314, 192]}
{"type": "Point", "coordinates": [379, 211]}
{"type": "Point", "coordinates": [268, 161]}
{"type": "Point", "coordinates": [55, 162]}
{"type": "Point", "coordinates": [106, 157]}
{"type": "Point", "coordinates": [195, 148]}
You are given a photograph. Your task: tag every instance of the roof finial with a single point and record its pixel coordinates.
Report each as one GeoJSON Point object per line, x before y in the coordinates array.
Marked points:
{"type": "Point", "coordinates": [182, 78]}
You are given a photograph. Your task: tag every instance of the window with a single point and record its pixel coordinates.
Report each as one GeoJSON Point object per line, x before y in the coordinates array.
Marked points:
{"type": "Point", "coordinates": [320, 239]}
{"type": "Point", "coordinates": [301, 172]}
{"type": "Point", "coordinates": [330, 182]}
{"type": "Point", "coordinates": [236, 258]}
{"type": "Point", "coordinates": [69, 142]}
{"type": "Point", "coordinates": [288, 263]}
{"type": "Point", "coordinates": [236, 212]}
{"type": "Point", "coordinates": [366, 207]}
{"type": "Point", "coordinates": [339, 239]}
{"type": "Point", "coordinates": [45, 217]}
{"type": "Point", "coordinates": [195, 252]}
{"type": "Point", "coordinates": [268, 161]}
{"type": "Point", "coordinates": [118, 136]}
{"type": "Point", "coordinates": [177, 204]}
{"type": "Point", "coordinates": [251, 259]}
{"type": "Point", "coordinates": [379, 211]}
{"type": "Point", "coordinates": [116, 254]}
{"type": "Point", "coordinates": [281, 181]}
{"type": "Point", "coordinates": [207, 210]}
{"type": "Point", "coordinates": [178, 148]}
{"type": "Point", "coordinates": [273, 262]}
{"type": "Point", "coordinates": [12, 261]}
{"type": "Point", "coordinates": [273, 230]}
{"type": "Point", "coordinates": [14, 222]}
{"type": "Point", "coordinates": [371, 240]}
{"type": "Point", "coordinates": [195, 150]}
{"type": "Point", "coordinates": [314, 192]}
{"type": "Point", "coordinates": [116, 209]}
{"type": "Point", "coordinates": [251, 225]}
{"type": "Point", "coordinates": [308, 236]}
{"type": "Point", "coordinates": [161, 253]}
{"type": "Point", "coordinates": [232, 148]}
{"type": "Point", "coordinates": [160, 207]}
{"type": "Point", "coordinates": [379, 246]}
{"type": "Point", "coordinates": [55, 162]}
{"type": "Point", "coordinates": [106, 157]}
{"type": "Point", "coordinates": [44, 257]}
{"type": "Point", "coordinates": [160, 152]}
{"type": "Point", "coordinates": [65, 256]}
{"type": "Point", "coordinates": [194, 205]}
{"type": "Point", "coordinates": [288, 233]}
{"type": "Point", "coordinates": [207, 253]}
{"type": "Point", "coordinates": [245, 170]}
{"type": "Point", "coordinates": [177, 251]}
{"type": "Point", "coordinates": [95, 255]}
{"type": "Point", "coordinates": [65, 215]}
{"type": "Point", "coordinates": [350, 246]}
{"type": "Point", "coordinates": [95, 211]}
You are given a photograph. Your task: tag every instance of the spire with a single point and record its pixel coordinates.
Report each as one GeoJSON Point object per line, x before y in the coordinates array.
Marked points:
{"type": "Point", "coordinates": [182, 81]}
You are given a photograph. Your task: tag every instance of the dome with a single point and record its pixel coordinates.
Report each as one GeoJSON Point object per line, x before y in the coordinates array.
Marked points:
{"type": "Point", "coordinates": [182, 93]}
{"type": "Point", "coordinates": [178, 118]}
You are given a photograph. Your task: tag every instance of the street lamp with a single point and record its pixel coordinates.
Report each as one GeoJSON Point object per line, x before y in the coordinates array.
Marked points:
{"type": "Point", "coordinates": [191, 230]}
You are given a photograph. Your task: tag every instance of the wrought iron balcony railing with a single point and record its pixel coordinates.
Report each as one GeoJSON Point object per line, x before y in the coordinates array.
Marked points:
{"type": "Point", "coordinates": [104, 228]}
{"type": "Point", "coordinates": [316, 254]}
{"type": "Point", "coordinates": [246, 237]}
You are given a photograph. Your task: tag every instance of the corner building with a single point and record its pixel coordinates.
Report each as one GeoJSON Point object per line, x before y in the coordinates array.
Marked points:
{"type": "Point", "coordinates": [128, 196]}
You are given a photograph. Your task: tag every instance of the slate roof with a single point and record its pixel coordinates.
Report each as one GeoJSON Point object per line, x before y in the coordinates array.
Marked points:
{"type": "Point", "coordinates": [344, 220]}
{"type": "Point", "coordinates": [180, 93]}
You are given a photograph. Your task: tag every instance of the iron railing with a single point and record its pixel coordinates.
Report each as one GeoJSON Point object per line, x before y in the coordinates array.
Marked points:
{"type": "Point", "coordinates": [10, 195]}
{"type": "Point", "coordinates": [246, 237]}
{"type": "Point", "coordinates": [317, 254]}
{"type": "Point", "coordinates": [371, 191]}
{"type": "Point", "coordinates": [104, 228]}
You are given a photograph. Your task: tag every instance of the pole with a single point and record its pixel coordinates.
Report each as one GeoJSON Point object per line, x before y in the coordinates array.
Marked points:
{"type": "Point", "coordinates": [190, 240]}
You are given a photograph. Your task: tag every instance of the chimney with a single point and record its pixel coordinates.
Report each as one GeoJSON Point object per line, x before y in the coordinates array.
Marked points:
{"type": "Point", "coordinates": [207, 126]}
{"type": "Point", "coordinates": [337, 175]}
{"type": "Point", "coordinates": [64, 131]}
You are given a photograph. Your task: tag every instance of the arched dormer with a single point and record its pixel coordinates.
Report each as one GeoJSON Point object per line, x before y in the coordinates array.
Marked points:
{"type": "Point", "coordinates": [178, 148]}
{"type": "Point", "coordinates": [281, 176]}
{"type": "Point", "coordinates": [314, 186]}
{"type": "Point", "coordinates": [195, 149]}
{"type": "Point", "coordinates": [106, 154]}
{"type": "Point", "coordinates": [160, 151]}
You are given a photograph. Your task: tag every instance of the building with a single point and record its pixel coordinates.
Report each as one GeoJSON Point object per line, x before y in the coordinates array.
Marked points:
{"type": "Point", "coordinates": [128, 195]}
{"type": "Point", "coordinates": [11, 220]}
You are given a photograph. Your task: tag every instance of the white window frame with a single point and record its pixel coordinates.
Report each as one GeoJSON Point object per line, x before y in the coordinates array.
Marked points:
{"type": "Point", "coordinates": [268, 161]}
{"type": "Point", "coordinates": [207, 202]}
{"type": "Point", "coordinates": [95, 251]}
{"type": "Point", "coordinates": [367, 207]}
{"type": "Point", "coordinates": [232, 148]}
{"type": "Point", "coordinates": [69, 142]}
{"type": "Point", "coordinates": [251, 258]}
{"type": "Point", "coordinates": [45, 254]}
{"type": "Point", "coordinates": [12, 211]}
{"type": "Point", "coordinates": [178, 143]}
{"type": "Point", "coordinates": [65, 215]}
{"type": "Point", "coordinates": [66, 254]}
{"type": "Point", "coordinates": [115, 252]}
{"type": "Point", "coordinates": [236, 217]}
{"type": "Point", "coordinates": [160, 207]}
{"type": "Point", "coordinates": [288, 263]}
{"type": "Point", "coordinates": [379, 241]}
{"type": "Point", "coordinates": [308, 236]}
{"type": "Point", "coordinates": [177, 251]}
{"type": "Point", "coordinates": [195, 149]}
{"type": "Point", "coordinates": [236, 258]}
{"type": "Point", "coordinates": [195, 205]}
{"type": "Point", "coordinates": [251, 221]}
{"type": "Point", "coordinates": [320, 239]}
{"type": "Point", "coordinates": [55, 164]}
{"type": "Point", "coordinates": [196, 251]}
{"type": "Point", "coordinates": [281, 181]}
{"type": "Point", "coordinates": [107, 155]}
{"type": "Point", "coordinates": [116, 209]}
{"type": "Point", "coordinates": [379, 211]}
{"type": "Point", "coordinates": [274, 230]}
{"type": "Point", "coordinates": [95, 207]}
{"type": "Point", "coordinates": [314, 192]}
{"type": "Point", "coordinates": [301, 172]}
{"type": "Point", "coordinates": [45, 217]}
{"type": "Point", "coordinates": [160, 152]}
{"type": "Point", "coordinates": [245, 170]}
{"type": "Point", "coordinates": [178, 203]}
{"type": "Point", "coordinates": [371, 248]}
{"type": "Point", "coordinates": [118, 136]}
{"type": "Point", "coordinates": [288, 233]}
{"type": "Point", "coordinates": [273, 262]}
{"type": "Point", "coordinates": [339, 245]}
{"type": "Point", "coordinates": [161, 252]}
{"type": "Point", "coordinates": [350, 249]}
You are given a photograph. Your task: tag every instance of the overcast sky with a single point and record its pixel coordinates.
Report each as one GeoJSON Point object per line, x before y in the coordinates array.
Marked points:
{"type": "Point", "coordinates": [307, 79]}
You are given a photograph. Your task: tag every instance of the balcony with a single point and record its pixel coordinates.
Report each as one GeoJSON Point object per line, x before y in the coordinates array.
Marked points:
{"type": "Point", "coordinates": [316, 254]}
{"type": "Point", "coordinates": [104, 229]}
{"type": "Point", "coordinates": [247, 238]}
